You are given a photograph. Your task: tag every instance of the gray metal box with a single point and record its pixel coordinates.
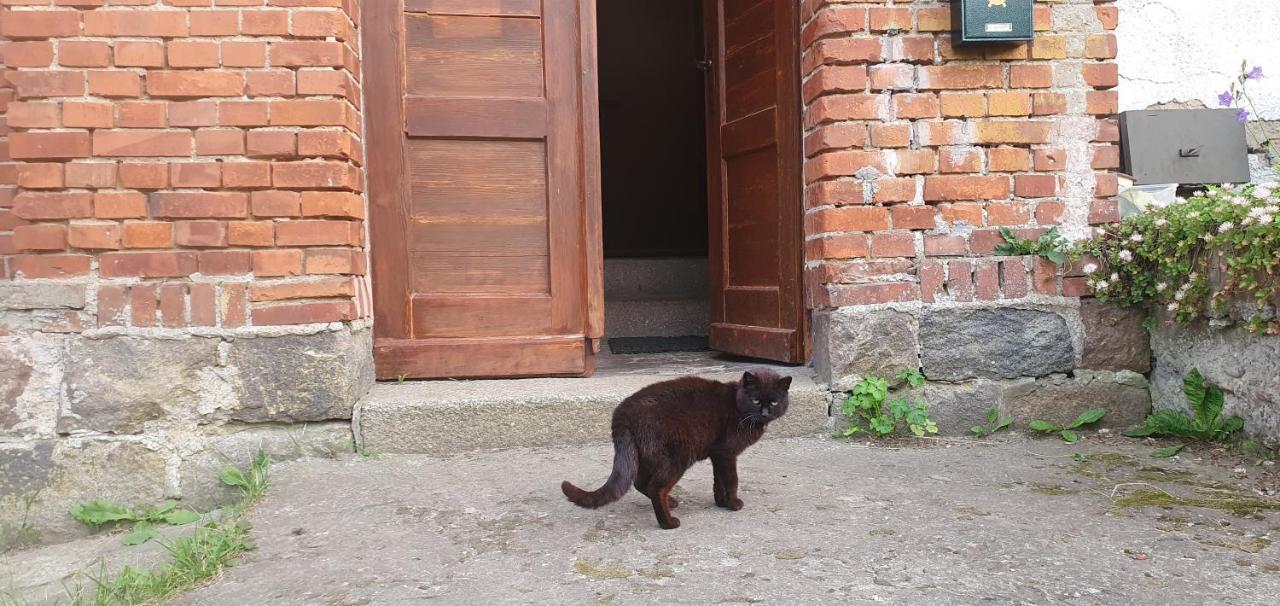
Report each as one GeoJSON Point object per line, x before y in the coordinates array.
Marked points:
{"type": "Point", "coordinates": [991, 21]}
{"type": "Point", "coordinates": [1188, 146]}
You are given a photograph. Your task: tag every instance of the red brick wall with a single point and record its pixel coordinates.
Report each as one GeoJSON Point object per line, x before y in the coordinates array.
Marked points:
{"type": "Point", "coordinates": [194, 162]}
{"type": "Point", "coordinates": [918, 152]}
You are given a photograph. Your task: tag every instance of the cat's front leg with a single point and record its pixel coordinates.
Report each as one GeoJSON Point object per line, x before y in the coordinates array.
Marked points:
{"type": "Point", "coordinates": [725, 484]}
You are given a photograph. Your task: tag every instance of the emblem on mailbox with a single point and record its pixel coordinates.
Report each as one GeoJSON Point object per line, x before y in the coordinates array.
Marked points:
{"type": "Point", "coordinates": [995, 3]}
{"type": "Point", "coordinates": [992, 21]}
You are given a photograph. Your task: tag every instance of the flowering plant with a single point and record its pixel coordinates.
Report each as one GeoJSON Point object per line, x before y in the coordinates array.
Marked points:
{"type": "Point", "coordinates": [1237, 96]}
{"type": "Point", "coordinates": [1221, 244]}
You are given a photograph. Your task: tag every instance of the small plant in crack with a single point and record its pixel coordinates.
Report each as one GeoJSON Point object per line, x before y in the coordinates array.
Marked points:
{"type": "Point", "coordinates": [1068, 432]}
{"type": "Point", "coordinates": [870, 410]}
{"type": "Point", "coordinates": [145, 521]}
{"type": "Point", "coordinates": [994, 423]}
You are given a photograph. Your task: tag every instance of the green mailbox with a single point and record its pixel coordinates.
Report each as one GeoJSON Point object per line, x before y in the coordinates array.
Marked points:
{"type": "Point", "coordinates": [991, 20]}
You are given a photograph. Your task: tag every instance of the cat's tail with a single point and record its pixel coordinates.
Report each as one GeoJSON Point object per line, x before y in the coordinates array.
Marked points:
{"type": "Point", "coordinates": [624, 473]}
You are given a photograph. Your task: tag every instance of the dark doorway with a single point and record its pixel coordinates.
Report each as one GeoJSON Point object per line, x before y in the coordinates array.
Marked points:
{"type": "Point", "coordinates": [653, 174]}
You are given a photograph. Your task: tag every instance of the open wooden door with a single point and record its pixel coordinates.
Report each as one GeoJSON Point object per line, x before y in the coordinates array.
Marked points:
{"type": "Point", "coordinates": [483, 182]}
{"type": "Point", "coordinates": [754, 179]}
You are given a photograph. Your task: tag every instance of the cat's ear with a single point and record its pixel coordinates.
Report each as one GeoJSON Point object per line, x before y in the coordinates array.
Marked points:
{"type": "Point", "coordinates": [748, 379]}
{"type": "Point", "coordinates": [784, 383]}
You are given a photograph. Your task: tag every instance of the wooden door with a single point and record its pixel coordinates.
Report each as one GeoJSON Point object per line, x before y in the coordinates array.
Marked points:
{"type": "Point", "coordinates": [483, 184]}
{"type": "Point", "coordinates": [754, 179]}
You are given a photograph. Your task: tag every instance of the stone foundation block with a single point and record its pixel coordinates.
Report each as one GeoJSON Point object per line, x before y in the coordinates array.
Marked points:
{"type": "Point", "coordinates": [851, 344]}
{"type": "Point", "coordinates": [1114, 337]}
{"type": "Point", "coordinates": [293, 379]}
{"type": "Point", "coordinates": [1060, 399]}
{"type": "Point", "coordinates": [962, 343]}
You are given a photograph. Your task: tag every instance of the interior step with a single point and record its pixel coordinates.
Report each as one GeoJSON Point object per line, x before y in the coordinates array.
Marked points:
{"type": "Point", "coordinates": [655, 278]}
{"type": "Point", "coordinates": [446, 417]}
{"type": "Point", "coordinates": [669, 318]}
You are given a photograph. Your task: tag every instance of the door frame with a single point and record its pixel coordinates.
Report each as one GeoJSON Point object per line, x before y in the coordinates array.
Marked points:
{"type": "Point", "coordinates": [388, 189]}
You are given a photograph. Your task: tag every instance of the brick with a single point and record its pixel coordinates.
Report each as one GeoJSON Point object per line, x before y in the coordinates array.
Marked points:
{"type": "Point", "coordinates": [1013, 278]}
{"type": "Point", "coordinates": [50, 266]}
{"type": "Point", "coordinates": [834, 20]}
{"type": "Point", "coordinates": [970, 214]}
{"type": "Point", "coordinates": [246, 174]}
{"type": "Point", "coordinates": [40, 237]}
{"type": "Point", "coordinates": [834, 108]}
{"type": "Point", "coordinates": [268, 143]}
{"type": "Point", "coordinates": [52, 206]}
{"type": "Point", "coordinates": [312, 289]}
{"type": "Point", "coordinates": [81, 114]}
{"type": "Point", "coordinates": [912, 49]}
{"type": "Point", "coordinates": [304, 313]}
{"type": "Point", "coordinates": [208, 205]}
{"type": "Point", "coordinates": [960, 280]}
{"type": "Point", "coordinates": [215, 23]}
{"type": "Point", "coordinates": [1100, 46]}
{"type": "Point", "coordinates": [1104, 211]}
{"type": "Point", "coordinates": [139, 143]}
{"type": "Point", "coordinates": [890, 76]}
{"type": "Point", "coordinates": [34, 115]}
{"type": "Point", "coordinates": [143, 114]}
{"type": "Point", "coordinates": [825, 138]}
{"type": "Point", "coordinates": [244, 113]}
{"type": "Point", "coordinates": [192, 53]}
{"type": "Point", "coordinates": [277, 204]}
{"type": "Point", "coordinates": [306, 54]}
{"type": "Point", "coordinates": [332, 204]}
{"type": "Point", "coordinates": [1025, 132]}
{"type": "Point", "coordinates": [112, 300]}
{"type": "Point", "coordinates": [933, 19]}
{"type": "Point", "coordinates": [1031, 76]}
{"type": "Point", "coordinates": [962, 105]}
{"type": "Point", "coordinates": [331, 261]}
{"type": "Point", "coordinates": [251, 233]}
{"type": "Point", "coordinates": [913, 161]}
{"type": "Point", "coordinates": [204, 306]}
{"type": "Point", "coordinates": [143, 299]}
{"type": "Point", "coordinates": [225, 262]}
{"type": "Point", "coordinates": [835, 79]}
{"type": "Point", "coordinates": [95, 175]}
{"type": "Point", "coordinates": [913, 105]}
{"type": "Point", "coordinates": [894, 190]}
{"type": "Point", "coordinates": [39, 24]}
{"type": "Point", "coordinates": [244, 54]}
{"type": "Point", "coordinates": [129, 53]}
{"type": "Point", "coordinates": [841, 164]}
{"type": "Point", "coordinates": [838, 246]}
{"type": "Point", "coordinates": [273, 83]}
{"type": "Point", "coordinates": [155, 24]}
{"type": "Point", "coordinates": [985, 241]}
{"type": "Point", "coordinates": [193, 113]}
{"type": "Point", "coordinates": [136, 175]}
{"type": "Point", "coordinates": [913, 217]}
{"type": "Point", "coordinates": [46, 145]}
{"type": "Point", "coordinates": [952, 77]}
{"type": "Point", "coordinates": [949, 132]}
{"type": "Point", "coordinates": [1101, 75]}
{"type": "Point", "coordinates": [1049, 47]}
{"type": "Point", "coordinates": [896, 134]}
{"type": "Point", "coordinates": [219, 142]}
{"type": "Point", "coordinates": [1050, 212]}
{"type": "Point", "coordinates": [195, 174]}
{"type": "Point", "coordinates": [48, 84]}
{"type": "Point", "coordinates": [959, 160]}
{"type": "Point", "coordinates": [147, 264]}
{"type": "Point", "coordinates": [882, 19]}
{"type": "Point", "coordinates": [94, 236]}
{"type": "Point", "coordinates": [265, 23]}
{"type": "Point", "coordinates": [893, 244]}
{"type": "Point", "coordinates": [40, 175]}
{"type": "Point", "coordinates": [119, 205]}
{"type": "Point", "coordinates": [1106, 156]}
{"type": "Point", "coordinates": [1108, 16]}
{"type": "Point", "coordinates": [147, 234]}
{"type": "Point", "coordinates": [200, 234]}
{"type": "Point", "coordinates": [1106, 185]}
{"type": "Point", "coordinates": [873, 294]}
{"type": "Point", "coordinates": [317, 233]}
{"type": "Point", "coordinates": [933, 277]}
{"type": "Point", "coordinates": [1045, 276]}
{"type": "Point", "coordinates": [195, 84]}
{"type": "Point", "coordinates": [986, 280]}
{"type": "Point", "coordinates": [1102, 103]}
{"type": "Point", "coordinates": [276, 263]}
{"type": "Point", "coordinates": [28, 54]}
{"type": "Point", "coordinates": [848, 218]}
{"type": "Point", "coordinates": [1048, 104]}
{"type": "Point", "coordinates": [173, 298]}
{"type": "Point", "coordinates": [945, 245]}
{"type": "Point", "coordinates": [1008, 159]}
{"type": "Point", "coordinates": [949, 187]}
{"type": "Point", "coordinates": [842, 51]}
{"type": "Point", "coordinates": [115, 84]}
{"type": "Point", "coordinates": [83, 54]}
{"type": "Point", "coordinates": [1008, 213]}
{"type": "Point", "coordinates": [232, 305]}
{"type": "Point", "coordinates": [1009, 104]}
{"type": "Point", "coordinates": [1035, 186]}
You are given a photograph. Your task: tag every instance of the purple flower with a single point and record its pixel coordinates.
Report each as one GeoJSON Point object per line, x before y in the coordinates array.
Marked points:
{"type": "Point", "coordinates": [1254, 74]}
{"type": "Point", "coordinates": [1242, 116]}
{"type": "Point", "coordinates": [1226, 99]}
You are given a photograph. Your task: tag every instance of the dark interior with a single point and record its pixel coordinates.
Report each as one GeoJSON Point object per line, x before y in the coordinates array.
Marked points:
{"type": "Point", "coordinates": [652, 128]}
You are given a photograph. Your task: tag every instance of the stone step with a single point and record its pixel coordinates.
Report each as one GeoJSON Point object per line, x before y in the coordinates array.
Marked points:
{"type": "Point", "coordinates": [672, 318]}
{"type": "Point", "coordinates": [446, 417]}
{"type": "Point", "coordinates": [639, 279]}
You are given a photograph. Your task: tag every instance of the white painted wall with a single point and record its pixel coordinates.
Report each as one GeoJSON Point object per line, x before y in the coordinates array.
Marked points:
{"type": "Point", "coordinates": [1183, 50]}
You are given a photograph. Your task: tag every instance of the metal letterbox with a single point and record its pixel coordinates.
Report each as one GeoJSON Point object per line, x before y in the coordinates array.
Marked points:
{"type": "Point", "coordinates": [1188, 146]}
{"type": "Point", "coordinates": [991, 20]}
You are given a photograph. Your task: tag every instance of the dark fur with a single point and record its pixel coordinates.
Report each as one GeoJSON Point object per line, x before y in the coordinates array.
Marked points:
{"type": "Point", "coordinates": [662, 430]}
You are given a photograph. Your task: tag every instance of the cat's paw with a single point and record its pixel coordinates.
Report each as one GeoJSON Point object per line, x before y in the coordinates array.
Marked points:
{"type": "Point", "coordinates": [673, 502]}
{"type": "Point", "coordinates": [675, 523]}
{"type": "Point", "coordinates": [734, 504]}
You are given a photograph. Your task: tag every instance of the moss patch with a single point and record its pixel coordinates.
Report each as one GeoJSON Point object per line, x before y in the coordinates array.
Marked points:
{"type": "Point", "coordinates": [601, 571]}
{"type": "Point", "coordinates": [1155, 498]}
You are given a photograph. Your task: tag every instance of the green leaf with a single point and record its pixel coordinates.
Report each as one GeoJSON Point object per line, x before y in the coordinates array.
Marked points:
{"type": "Point", "coordinates": [899, 408]}
{"type": "Point", "coordinates": [979, 431]}
{"type": "Point", "coordinates": [233, 477]}
{"type": "Point", "coordinates": [1044, 426]}
{"type": "Point", "coordinates": [1093, 415]}
{"type": "Point", "coordinates": [1164, 453]}
{"type": "Point", "coordinates": [992, 415]}
{"type": "Point", "coordinates": [1193, 388]}
{"type": "Point", "coordinates": [850, 430]}
{"type": "Point", "coordinates": [99, 513]}
{"type": "Point", "coordinates": [1055, 256]}
{"type": "Point", "coordinates": [142, 532]}
{"type": "Point", "coordinates": [1208, 412]}
{"type": "Point", "coordinates": [1141, 431]}
{"type": "Point", "coordinates": [1069, 436]}
{"type": "Point", "coordinates": [179, 517]}
{"type": "Point", "coordinates": [1003, 423]}
{"type": "Point", "coordinates": [882, 425]}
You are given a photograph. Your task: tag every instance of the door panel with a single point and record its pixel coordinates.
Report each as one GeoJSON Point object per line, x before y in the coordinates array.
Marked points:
{"type": "Point", "coordinates": [753, 141]}
{"type": "Point", "coordinates": [480, 241]}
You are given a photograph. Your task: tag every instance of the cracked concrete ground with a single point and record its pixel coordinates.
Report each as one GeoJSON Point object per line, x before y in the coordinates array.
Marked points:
{"type": "Point", "coordinates": [1013, 521]}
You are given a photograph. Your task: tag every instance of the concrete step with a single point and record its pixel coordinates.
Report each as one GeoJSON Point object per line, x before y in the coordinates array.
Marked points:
{"type": "Point", "coordinates": [670, 318]}
{"type": "Point", "coordinates": [447, 417]}
{"type": "Point", "coordinates": [640, 279]}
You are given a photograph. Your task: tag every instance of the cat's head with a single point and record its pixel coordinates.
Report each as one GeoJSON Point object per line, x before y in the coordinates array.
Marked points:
{"type": "Point", "coordinates": [762, 395]}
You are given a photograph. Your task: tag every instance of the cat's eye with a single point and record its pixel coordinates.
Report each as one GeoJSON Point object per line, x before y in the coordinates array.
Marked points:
{"type": "Point", "coordinates": [756, 402]}
{"type": "Point", "coordinates": [773, 403]}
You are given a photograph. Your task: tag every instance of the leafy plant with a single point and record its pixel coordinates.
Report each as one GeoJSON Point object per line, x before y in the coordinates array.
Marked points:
{"type": "Point", "coordinates": [1068, 433]}
{"type": "Point", "coordinates": [1206, 402]}
{"type": "Point", "coordinates": [97, 514]}
{"type": "Point", "coordinates": [994, 423]}
{"type": "Point", "coordinates": [1050, 245]}
{"type": "Point", "coordinates": [866, 406]}
{"type": "Point", "coordinates": [1164, 453]}
{"type": "Point", "coordinates": [252, 484]}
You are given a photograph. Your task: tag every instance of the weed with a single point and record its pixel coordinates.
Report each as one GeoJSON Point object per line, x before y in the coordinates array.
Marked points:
{"type": "Point", "coordinates": [1068, 434]}
{"type": "Point", "coordinates": [1164, 453]}
{"type": "Point", "coordinates": [97, 514]}
{"type": "Point", "coordinates": [197, 557]}
{"type": "Point", "coordinates": [994, 424]}
{"type": "Point", "coordinates": [1051, 245]}
{"type": "Point", "coordinates": [400, 378]}
{"type": "Point", "coordinates": [1206, 402]}
{"type": "Point", "coordinates": [1255, 450]}
{"type": "Point", "coordinates": [866, 405]}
